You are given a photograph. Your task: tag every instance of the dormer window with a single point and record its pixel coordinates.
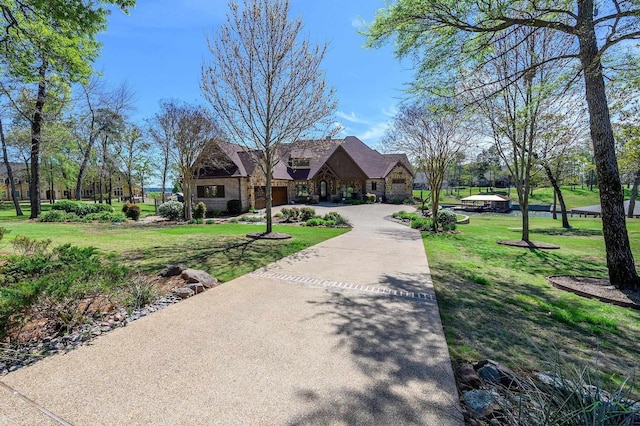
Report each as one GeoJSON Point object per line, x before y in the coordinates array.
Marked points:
{"type": "Point", "coordinates": [300, 163]}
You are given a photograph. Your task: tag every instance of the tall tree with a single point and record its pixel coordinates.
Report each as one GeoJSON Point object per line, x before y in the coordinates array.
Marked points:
{"type": "Point", "coordinates": [432, 136]}
{"type": "Point", "coordinates": [12, 183]}
{"type": "Point", "coordinates": [191, 133]}
{"type": "Point", "coordinates": [446, 34]}
{"type": "Point", "coordinates": [45, 41]}
{"type": "Point", "coordinates": [265, 82]}
{"type": "Point", "coordinates": [99, 115]}
{"type": "Point", "coordinates": [161, 128]}
{"type": "Point", "coordinates": [133, 148]}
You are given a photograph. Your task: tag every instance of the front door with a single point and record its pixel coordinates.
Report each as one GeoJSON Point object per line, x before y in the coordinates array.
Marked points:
{"type": "Point", "coordinates": [323, 190]}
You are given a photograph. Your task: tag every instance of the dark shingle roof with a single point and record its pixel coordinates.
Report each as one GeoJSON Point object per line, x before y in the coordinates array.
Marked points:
{"type": "Point", "coordinates": [372, 163]}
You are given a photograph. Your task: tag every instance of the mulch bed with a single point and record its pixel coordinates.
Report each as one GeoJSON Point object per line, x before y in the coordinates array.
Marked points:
{"type": "Point", "coordinates": [269, 236]}
{"type": "Point", "coordinates": [529, 245]}
{"type": "Point", "coordinates": [597, 288]}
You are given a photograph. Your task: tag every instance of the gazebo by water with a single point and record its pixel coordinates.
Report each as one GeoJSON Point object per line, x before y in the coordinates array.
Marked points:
{"type": "Point", "coordinates": [486, 203]}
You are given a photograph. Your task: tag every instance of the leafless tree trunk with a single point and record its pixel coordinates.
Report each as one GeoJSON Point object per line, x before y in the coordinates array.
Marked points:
{"type": "Point", "coordinates": [12, 183]}
{"type": "Point", "coordinates": [265, 84]}
{"type": "Point", "coordinates": [192, 133]}
{"type": "Point", "coordinates": [432, 135]}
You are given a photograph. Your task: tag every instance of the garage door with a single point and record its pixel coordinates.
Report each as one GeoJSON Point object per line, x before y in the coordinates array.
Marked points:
{"type": "Point", "coordinates": [279, 194]}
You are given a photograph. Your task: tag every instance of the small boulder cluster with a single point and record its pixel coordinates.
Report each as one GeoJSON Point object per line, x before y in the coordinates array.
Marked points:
{"type": "Point", "coordinates": [492, 394]}
{"type": "Point", "coordinates": [194, 281]}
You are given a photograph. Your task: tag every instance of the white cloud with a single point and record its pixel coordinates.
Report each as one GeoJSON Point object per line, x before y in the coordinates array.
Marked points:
{"type": "Point", "coordinates": [374, 133]}
{"type": "Point", "coordinates": [358, 23]}
{"type": "Point", "coordinates": [351, 117]}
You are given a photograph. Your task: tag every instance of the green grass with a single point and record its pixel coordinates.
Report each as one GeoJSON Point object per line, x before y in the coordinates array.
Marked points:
{"type": "Point", "coordinates": [573, 197]}
{"type": "Point", "coordinates": [222, 250]}
{"type": "Point", "coordinates": [8, 212]}
{"type": "Point", "coordinates": [496, 303]}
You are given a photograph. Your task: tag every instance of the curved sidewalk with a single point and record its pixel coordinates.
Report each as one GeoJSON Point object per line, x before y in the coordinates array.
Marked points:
{"type": "Point", "coordinates": [345, 332]}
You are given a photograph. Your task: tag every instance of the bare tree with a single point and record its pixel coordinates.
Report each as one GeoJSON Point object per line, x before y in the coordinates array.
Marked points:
{"type": "Point", "coordinates": [12, 183]}
{"type": "Point", "coordinates": [513, 108]}
{"type": "Point", "coordinates": [432, 135]}
{"type": "Point", "coordinates": [265, 83]}
{"type": "Point", "coordinates": [132, 149]}
{"type": "Point", "coordinates": [101, 113]}
{"type": "Point", "coordinates": [191, 133]}
{"type": "Point", "coordinates": [563, 126]}
{"type": "Point", "coordinates": [160, 128]}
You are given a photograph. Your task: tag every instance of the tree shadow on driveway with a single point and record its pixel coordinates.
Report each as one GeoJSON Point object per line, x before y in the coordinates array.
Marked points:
{"type": "Point", "coordinates": [397, 344]}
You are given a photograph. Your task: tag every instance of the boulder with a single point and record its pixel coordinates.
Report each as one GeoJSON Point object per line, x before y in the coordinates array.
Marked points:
{"type": "Point", "coordinates": [481, 403]}
{"type": "Point", "coordinates": [490, 373]}
{"type": "Point", "coordinates": [172, 270]}
{"type": "Point", "coordinates": [199, 276]}
{"type": "Point", "coordinates": [468, 376]}
{"type": "Point", "coordinates": [507, 377]}
{"type": "Point", "coordinates": [197, 287]}
{"type": "Point", "coordinates": [183, 292]}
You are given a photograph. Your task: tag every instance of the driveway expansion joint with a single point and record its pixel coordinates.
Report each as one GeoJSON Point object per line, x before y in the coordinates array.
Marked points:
{"type": "Point", "coordinates": [346, 286]}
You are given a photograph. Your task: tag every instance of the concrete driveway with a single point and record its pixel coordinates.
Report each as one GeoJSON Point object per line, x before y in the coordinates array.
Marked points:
{"type": "Point", "coordinates": [346, 332]}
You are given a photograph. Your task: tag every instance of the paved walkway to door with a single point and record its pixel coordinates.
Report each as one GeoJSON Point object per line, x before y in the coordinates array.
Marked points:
{"type": "Point", "coordinates": [346, 332]}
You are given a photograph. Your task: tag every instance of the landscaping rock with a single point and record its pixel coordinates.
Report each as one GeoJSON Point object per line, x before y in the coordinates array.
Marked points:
{"type": "Point", "coordinates": [490, 373]}
{"type": "Point", "coordinates": [481, 403]}
{"type": "Point", "coordinates": [172, 270]}
{"type": "Point", "coordinates": [468, 376]}
{"type": "Point", "coordinates": [507, 377]}
{"type": "Point", "coordinates": [199, 276]}
{"type": "Point", "coordinates": [197, 287]}
{"type": "Point", "coordinates": [183, 292]}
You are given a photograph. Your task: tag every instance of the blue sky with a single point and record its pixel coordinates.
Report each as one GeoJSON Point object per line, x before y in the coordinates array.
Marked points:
{"type": "Point", "coordinates": [159, 49]}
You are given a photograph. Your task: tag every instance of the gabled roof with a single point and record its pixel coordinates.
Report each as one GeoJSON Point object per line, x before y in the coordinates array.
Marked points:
{"type": "Point", "coordinates": [372, 163]}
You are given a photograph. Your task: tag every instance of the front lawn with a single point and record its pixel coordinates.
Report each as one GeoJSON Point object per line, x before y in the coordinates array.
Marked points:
{"type": "Point", "coordinates": [495, 302]}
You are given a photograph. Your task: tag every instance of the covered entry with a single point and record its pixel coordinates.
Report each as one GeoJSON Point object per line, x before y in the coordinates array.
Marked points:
{"type": "Point", "coordinates": [279, 195]}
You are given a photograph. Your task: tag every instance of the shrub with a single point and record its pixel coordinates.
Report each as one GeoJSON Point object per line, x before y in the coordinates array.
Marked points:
{"type": "Point", "coordinates": [105, 217]}
{"type": "Point", "coordinates": [141, 292]}
{"type": "Point", "coordinates": [172, 210]}
{"type": "Point", "coordinates": [423, 224]}
{"type": "Point", "coordinates": [316, 221]}
{"type": "Point", "coordinates": [81, 209]}
{"type": "Point", "coordinates": [370, 198]}
{"type": "Point", "coordinates": [406, 216]}
{"type": "Point", "coordinates": [214, 213]}
{"type": "Point", "coordinates": [395, 201]}
{"type": "Point", "coordinates": [195, 222]}
{"type": "Point", "coordinates": [447, 219]}
{"type": "Point", "coordinates": [210, 222]}
{"type": "Point", "coordinates": [53, 216]}
{"type": "Point", "coordinates": [3, 231]}
{"type": "Point", "coordinates": [290, 214]}
{"type": "Point", "coordinates": [252, 219]}
{"type": "Point", "coordinates": [336, 198]}
{"type": "Point", "coordinates": [125, 207]}
{"type": "Point", "coordinates": [28, 246]}
{"type": "Point", "coordinates": [200, 211]}
{"type": "Point", "coordinates": [307, 213]}
{"type": "Point", "coordinates": [336, 218]}
{"type": "Point", "coordinates": [133, 212]}
{"type": "Point", "coordinates": [234, 206]}
{"type": "Point", "coordinates": [354, 202]}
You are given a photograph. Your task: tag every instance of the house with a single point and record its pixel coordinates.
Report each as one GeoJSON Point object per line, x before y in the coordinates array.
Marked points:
{"type": "Point", "coordinates": [320, 170]}
{"type": "Point", "coordinates": [89, 191]}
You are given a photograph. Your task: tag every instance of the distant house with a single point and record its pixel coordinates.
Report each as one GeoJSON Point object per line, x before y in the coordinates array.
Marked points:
{"type": "Point", "coordinates": [320, 170]}
{"type": "Point", "coordinates": [89, 190]}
